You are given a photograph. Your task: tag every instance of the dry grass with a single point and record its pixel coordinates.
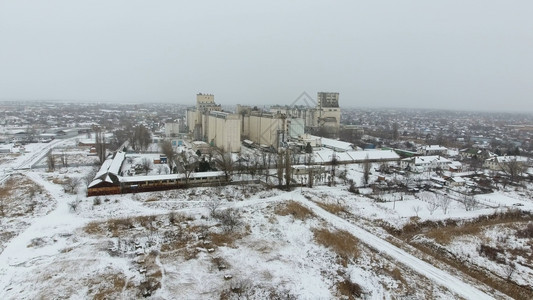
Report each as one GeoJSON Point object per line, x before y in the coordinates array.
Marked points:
{"type": "Point", "coordinates": [219, 263]}
{"type": "Point", "coordinates": [174, 245]}
{"type": "Point", "coordinates": [19, 196]}
{"type": "Point", "coordinates": [510, 289]}
{"type": "Point", "coordinates": [152, 276]}
{"type": "Point", "coordinates": [152, 199]}
{"type": "Point", "coordinates": [445, 235]}
{"type": "Point", "coordinates": [93, 228]}
{"type": "Point", "coordinates": [176, 218]}
{"type": "Point", "coordinates": [340, 241]}
{"type": "Point", "coordinates": [6, 189]}
{"type": "Point", "coordinates": [226, 239]}
{"type": "Point", "coordinates": [107, 286]}
{"type": "Point", "coordinates": [18, 183]}
{"type": "Point", "coordinates": [333, 208]}
{"type": "Point", "coordinates": [445, 230]}
{"type": "Point", "coordinates": [396, 274]}
{"type": "Point", "coordinates": [294, 209]}
{"type": "Point", "coordinates": [59, 181]}
{"type": "Point", "coordinates": [118, 227]}
{"type": "Point", "coordinates": [349, 289]}
{"type": "Point", "coordinates": [111, 285]}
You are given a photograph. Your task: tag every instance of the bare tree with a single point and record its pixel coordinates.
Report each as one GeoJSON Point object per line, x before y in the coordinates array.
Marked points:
{"type": "Point", "coordinates": [225, 162]}
{"type": "Point", "coordinates": [444, 203]}
{"type": "Point", "coordinates": [252, 166]}
{"type": "Point", "coordinates": [288, 169]}
{"type": "Point", "coordinates": [187, 164]}
{"type": "Point", "coordinates": [308, 148]}
{"type": "Point", "coordinates": [142, 136]}
{"type": "Point", "coordinates": [168, 150]}
{"type": "Point", "coordinates": [432, 205]}
{"type": "Point", "coordinates": [309, 160]}
{"type": "Point", "coordinates": [162, 169]}
{"type": "Point", "coordinates": [146, 165]}
{"type": "Point", "coordinates": [395, 134]}
{"type": "Point", "coordinates": [139, 137]}
{"type": "Point", "coordinates": [334, 164]}
{"type": "Point", "coordinates": [417, 209]}
{"type": "Point", "coordinates": [51, 162]}
{"type": "Point", "coordinates": [407, 179]}
{"type": "Point", "coordinates": [31, 133]}
{"type": "Point", "coordinates": [366, 169]}
{"type": "Point", "coordinates": [100, 144]}
{"type": "Point", "coordinates": [130, 134]}
{"type": "Point", "coordinates": [344, 175]}
{"type": "Point", "coordinates": [514, 169]}
{"type": "Point", "coordinates": [279, 169]}
{"type": "Point", "coordinates": [64, 159]}
{"type": "Point", "coordinates": [469, 202]}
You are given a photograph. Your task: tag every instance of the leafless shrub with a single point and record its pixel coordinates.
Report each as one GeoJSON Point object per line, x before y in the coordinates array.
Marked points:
{"type": "Point", "coordinates": [88, 178]}
{"type": "Point", "coordinates": [509, 270]}
{"type": "Point", "coordinates": [230, 219]}
{"type": "Point", "coordinates": [73, 206]}
{"type": "Point", "coordinates": [239, 289]}
{"type": "Point", "coordinates": [174, 217]}
{"type": "Point", "coordinates": [70, 184]}
{"type": "Point", "coordinates": [213, 206]}
{"type": "Point", "coordinates": [502, 239]}
{"type": "Point", "coordinates": [491, 253]}
{"type": "Point", "coordinates": [351, 187]}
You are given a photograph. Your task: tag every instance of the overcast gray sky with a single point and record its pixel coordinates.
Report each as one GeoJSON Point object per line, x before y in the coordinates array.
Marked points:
{"type": "Point", "coordinates": [430, 54]}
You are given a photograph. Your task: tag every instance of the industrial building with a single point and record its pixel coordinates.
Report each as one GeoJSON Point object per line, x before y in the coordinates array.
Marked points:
{"type": "Point", "coordinates": [268, 129]}
{"type": "Point", "coordinates": [207, 122]}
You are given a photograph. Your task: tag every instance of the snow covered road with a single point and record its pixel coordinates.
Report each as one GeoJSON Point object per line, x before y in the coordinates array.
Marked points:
{"type": "Point", "coordinates": [436, 275]}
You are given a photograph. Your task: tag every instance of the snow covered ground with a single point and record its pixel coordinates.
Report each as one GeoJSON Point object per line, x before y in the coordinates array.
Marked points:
{"type": "Point", "coordinates": [169, 244]}
{"type": "Point", "coordinates": [272, 255]}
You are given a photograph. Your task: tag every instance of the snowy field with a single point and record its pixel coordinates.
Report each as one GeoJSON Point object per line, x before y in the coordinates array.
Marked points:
{"type": "Point", "coordinates": [132, 245]}
{"type": "Point", "coordinates": [242, 241]}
